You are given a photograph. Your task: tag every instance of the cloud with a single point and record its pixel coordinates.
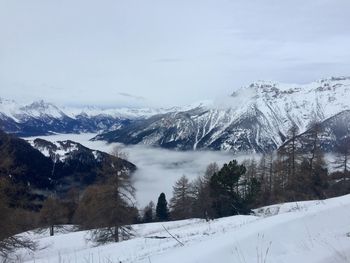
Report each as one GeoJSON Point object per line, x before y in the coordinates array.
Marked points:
{"type": "Point", "coordinates": [131, 96]}
{"type": "Point", "coordinates": [168, 60]}
{"type": "Point", "coordinates": [170, 52]}
{"type": "Point", "coordinates": [158, 169]}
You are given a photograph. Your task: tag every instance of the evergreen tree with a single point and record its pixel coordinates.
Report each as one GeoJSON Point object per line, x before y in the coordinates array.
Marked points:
{"type": "Point", "coordinates": [162, 213]}
{"type": "Point", "coordinates": [225, 189]}
{"type": "Point", "coordinates": [252, 196]}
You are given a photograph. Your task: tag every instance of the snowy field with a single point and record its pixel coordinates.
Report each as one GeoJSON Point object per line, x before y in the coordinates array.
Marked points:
{"type": "Point", "coordinates": [158, 169]}
{"type": "Point", "coordinates": [310, 232]}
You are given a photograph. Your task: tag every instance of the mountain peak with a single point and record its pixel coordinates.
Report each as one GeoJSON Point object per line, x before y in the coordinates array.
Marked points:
{"type": "Point", "coordinates": [40, 105]}
{"type": "Point", "coordinates": [335, 79]}
{"type": "Point", "coordinates": [42, 108]}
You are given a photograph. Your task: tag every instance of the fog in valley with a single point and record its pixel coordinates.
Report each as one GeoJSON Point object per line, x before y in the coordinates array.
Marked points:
{"type": "Point", "coordinates": [158, 168]}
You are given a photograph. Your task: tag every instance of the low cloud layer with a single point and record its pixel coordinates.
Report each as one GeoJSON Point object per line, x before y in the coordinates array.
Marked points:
{"type": "Point", "coordinates": [158, 169]}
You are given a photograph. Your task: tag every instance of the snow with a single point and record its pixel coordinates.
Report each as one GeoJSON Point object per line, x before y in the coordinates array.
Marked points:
{"type": "Point", "coordinates": [205, 124]}
{"type": "Point", "coordinates": [62, 151]}
{"type": "Point", "coordinates": [38, 109]}
{"type": "Point", "coordinates": [312, 232]}
{"type": "Point", "coordinates": [252, 119]}
{"type": "Point", "coordinates": [9, 108]}
{"type": "Point", "coordinates": [131, 113]}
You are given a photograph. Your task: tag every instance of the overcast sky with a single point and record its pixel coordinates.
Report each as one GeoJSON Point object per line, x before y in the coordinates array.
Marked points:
{"type": "Point", "coordinates": [162, 52]}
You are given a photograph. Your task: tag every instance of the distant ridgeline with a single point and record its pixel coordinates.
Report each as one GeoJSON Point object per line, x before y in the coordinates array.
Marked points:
{"type": "Point", "coordinates": [254, 119]}
{"type": "Point", "coordinates": [40, 168]}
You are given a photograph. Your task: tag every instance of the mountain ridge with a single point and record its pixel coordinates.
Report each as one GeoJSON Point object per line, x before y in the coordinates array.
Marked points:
{"type": "Point", "coordinates": [253, 119]}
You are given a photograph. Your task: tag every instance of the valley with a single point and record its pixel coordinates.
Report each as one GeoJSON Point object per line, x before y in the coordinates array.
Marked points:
{"type": "Point", "coordinates": [157, 169]}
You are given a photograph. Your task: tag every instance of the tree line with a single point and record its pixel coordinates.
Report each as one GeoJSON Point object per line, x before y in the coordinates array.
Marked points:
{"type": "Point", "coordinates": [296, 171]}
{"type": "Point", "coordinates": [107, 208]}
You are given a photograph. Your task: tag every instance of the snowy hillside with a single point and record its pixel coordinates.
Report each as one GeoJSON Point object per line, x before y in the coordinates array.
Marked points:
{"type": "Point", "coordinates": [253, 119]}
{"type": "Point", "coordinates": [313, 232]}
{"type": "Point", "coordinates": [334, 132]}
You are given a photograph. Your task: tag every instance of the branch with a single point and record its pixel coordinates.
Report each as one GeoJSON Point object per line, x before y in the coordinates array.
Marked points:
{"type": "Point", "coordinates": [182, 244]}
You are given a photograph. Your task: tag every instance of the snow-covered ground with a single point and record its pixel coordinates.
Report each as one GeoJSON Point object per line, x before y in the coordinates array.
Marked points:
{"type": "Point", "coordinates": [310, 232]}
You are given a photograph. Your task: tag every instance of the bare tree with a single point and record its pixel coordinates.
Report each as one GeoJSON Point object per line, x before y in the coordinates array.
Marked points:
{"type": "Point", "coordinates": [10, 227]}
{"type": "Point", "coordinates": [108, 208]}
{"type": "Point", "coordinates": [117, 151]}
{"type": "Point", "coordinates": [181, 202]}
{"type": "Point", "coordinates": [314, 145]}
{"type": "Point", "coordinates": [148, 213]}
{"type": "Point", "coordinates": [265, 176]}
{"type": "Point", "coordinates": [343, 157]}
{"type": "Point", "coordinates": [201, 191]}
{"type": "Point", "coordinates": [53, 214]}
{"type": "Point", "coordinates": [292, 134]}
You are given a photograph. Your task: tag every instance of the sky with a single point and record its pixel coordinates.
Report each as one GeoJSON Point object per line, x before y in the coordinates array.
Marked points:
{"type": "Point", "coordinates": [163, 53]}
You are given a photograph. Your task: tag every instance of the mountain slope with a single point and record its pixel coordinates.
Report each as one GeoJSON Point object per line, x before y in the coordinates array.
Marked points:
{"type": "Point", "coordinates": [22, 163]}
{"type": "Point", "coordinates": [48, 167]}
{"type": "Point", "coordinates": [312, 231]}
{"type": "Point", "coordinates": [76, 165]}
{"type": "Point", "coordinates": [254, 119]}
{"type": "Point", "coordinates": [332, 133]}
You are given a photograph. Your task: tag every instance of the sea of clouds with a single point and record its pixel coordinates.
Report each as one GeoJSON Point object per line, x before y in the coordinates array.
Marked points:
{"type": "Point", "coordinates": [158, 169]}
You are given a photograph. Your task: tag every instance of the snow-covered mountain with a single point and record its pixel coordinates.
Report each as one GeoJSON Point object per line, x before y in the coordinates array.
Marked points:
{"type": "Point", "coordinates": [333, 133]}
{"type": "Point", "coordinates": [253, 119]}
{"type": "Point", "coordinates": [40, 118]}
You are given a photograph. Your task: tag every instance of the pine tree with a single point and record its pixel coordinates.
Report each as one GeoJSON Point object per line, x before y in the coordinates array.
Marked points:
{"type": "Point", "coordinates": [162, 213]}
{"type": "Point", "coordinates": [225, 189]}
